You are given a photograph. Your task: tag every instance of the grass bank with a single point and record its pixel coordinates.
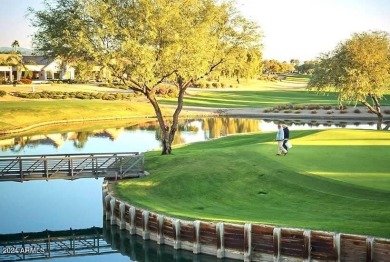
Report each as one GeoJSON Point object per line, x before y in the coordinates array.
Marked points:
{"type": "Point", "coordinates": [334, 180]}
{"type": "Point", "coordinates": [19, 114]}
{"type": "Point", "coordinates": [16, 113]}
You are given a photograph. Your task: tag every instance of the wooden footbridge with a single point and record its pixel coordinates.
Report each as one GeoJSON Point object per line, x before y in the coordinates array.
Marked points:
{"type": "Point", "coordinates": [71, 166]}
{"type": "Point", "coordinates": [54, 244]}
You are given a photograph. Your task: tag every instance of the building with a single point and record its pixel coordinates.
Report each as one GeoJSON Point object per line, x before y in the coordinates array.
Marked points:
{"type": "Point", "coordinates": [15, 67]}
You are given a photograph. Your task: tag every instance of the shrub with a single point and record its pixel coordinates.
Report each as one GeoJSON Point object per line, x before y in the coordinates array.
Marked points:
{"type": "Point", "coordinates": [313, 107]}
{"type": "Point", "coordinates": [45, 94]}
{"type": "Point", "coordinates": [216, 85]}
{"type": "Point", "coordinates": [313, 111]}
{"type": "Point", "coordinates": [208, 85]}
{"type": "Point", "coordinates": [26, 81]}
{"type": "Point", "coordinates": [173, 92]}
{"type": "Point", "coordinates": [299, 107]}
{"type": "Point", "coordinates": [343, 111]}
{"type": "Point", "coordinates": [297, 112]}
{"type": "Point", "coordinates": [99, 95]}
{"type": "Point", "coordinates": [341, 107]}
{"type": "Point", "coordinates": [287, 111]}
{"type": "Point", "coordinates": [163, 90]}
{"type": "Point", "coordinates": [126, 96]}
{"type": "Point", "coordinates": [327, 107]}
{"type": "Point", "coordinates": [118, 96]}
{"type": "Point", "coordinates": [202, 84]}
{"type": "Point", "coordinates": [329, 112]}
{"type": "Point", "coordinates": [35, 96]}
{"type": "Point", "coordinates": [81, 96]}
{"type": "Point", "coordinates": [387, 111]}
{"type": "Point", "coordinates": [2, 93]}
{"type": "Point", "coordinates": [357, 110]}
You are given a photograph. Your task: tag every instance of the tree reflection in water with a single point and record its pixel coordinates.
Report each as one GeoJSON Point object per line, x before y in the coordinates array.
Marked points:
{"type": "Point", "coordinates": [211, 128]}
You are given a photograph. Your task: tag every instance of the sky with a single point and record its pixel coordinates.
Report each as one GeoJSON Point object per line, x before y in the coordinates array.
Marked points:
{"type": "Point", "coordinates": [292, 29]}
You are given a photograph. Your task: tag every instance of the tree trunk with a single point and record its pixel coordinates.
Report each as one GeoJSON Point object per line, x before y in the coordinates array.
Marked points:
{"type": "Point", "coordinates": [166, 141]}
{"type": "Point", "coordinates": [166, 147]}
{"type": "Point", "coordinates": [168, 132]}
{"type": "Point", "coordinates": [380, 121]}
{"type": "Point", "coordinates": [376, 110]}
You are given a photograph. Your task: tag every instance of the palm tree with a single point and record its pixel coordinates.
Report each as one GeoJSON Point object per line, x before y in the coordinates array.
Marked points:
{"type": "Point", "coordinates": [15, 45]}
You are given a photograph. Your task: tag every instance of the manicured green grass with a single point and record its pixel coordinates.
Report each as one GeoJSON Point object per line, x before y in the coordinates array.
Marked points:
{"type": "Point", "coordinates": [258, 98]}
{"type": "Point", "coordinates": [323, 183]}
{"type": "Point", "coordinates": [298, 78]}
{"type": "Point", "coordinates": [255, 98]}
{"type": "Point", "coordinates": [18, 114]}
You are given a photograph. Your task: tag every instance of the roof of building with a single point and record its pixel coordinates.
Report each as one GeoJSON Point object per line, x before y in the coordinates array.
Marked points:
{"type": "Point", "coordinates": [37, 60]}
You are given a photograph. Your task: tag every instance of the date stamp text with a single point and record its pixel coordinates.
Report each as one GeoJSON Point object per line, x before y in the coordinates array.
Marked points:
{"type": "Point", "coordinates": [22, 250]}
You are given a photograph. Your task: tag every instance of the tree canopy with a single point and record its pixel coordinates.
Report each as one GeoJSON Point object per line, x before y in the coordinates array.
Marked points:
{"type": "Point", "coordinates": [358, 69]}
{"type": "Point", "coordinates": [146, 43]}
{"type": "Point", "coordinates": [15, 45]}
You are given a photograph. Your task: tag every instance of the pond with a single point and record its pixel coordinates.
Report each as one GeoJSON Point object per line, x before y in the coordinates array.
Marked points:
{"type": "Point", "coordinates": [36, 206]}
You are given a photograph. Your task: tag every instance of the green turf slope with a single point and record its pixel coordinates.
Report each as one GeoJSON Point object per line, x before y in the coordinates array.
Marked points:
{"type": "Point", "coordinates": [333, 180]}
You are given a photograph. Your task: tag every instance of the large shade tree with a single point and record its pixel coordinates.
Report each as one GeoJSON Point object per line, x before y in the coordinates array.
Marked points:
{"type": "Point", "coordinates": [358, 69]}
{"type": "Point", "coordinates": [146, 43]}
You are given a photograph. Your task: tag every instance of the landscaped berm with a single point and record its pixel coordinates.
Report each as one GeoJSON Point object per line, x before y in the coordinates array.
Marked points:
{"type": "Point", "coordinates": [331, 180]}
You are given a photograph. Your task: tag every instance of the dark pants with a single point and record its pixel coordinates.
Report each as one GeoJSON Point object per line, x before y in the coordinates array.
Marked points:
{"type": "Point", "coordinates": [284, 144]}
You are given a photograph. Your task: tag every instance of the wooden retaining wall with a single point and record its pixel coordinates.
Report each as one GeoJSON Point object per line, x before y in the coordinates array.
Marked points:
{"type": "Point", "coordinates": [249, 242]}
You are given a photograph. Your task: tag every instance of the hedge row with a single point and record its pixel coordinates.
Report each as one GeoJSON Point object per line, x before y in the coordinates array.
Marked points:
{"type": "Point", "coordinates": [204, 84]}
{"type": "Point", "coordinates": [302, 107]}
{"type": "Point", "coordinates": [77, 95]}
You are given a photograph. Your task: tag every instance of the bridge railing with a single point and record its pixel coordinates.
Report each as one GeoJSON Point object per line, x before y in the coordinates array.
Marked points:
{"type": "Point", "coordinates": [71, 166]}
{"type": "Point", "coordinates": [53, 244]}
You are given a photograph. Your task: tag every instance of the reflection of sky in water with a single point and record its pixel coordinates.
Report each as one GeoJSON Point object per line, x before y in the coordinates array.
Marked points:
{"type": "Point", "coordinates": [271, 126]}
{"type": "Point", "coordinates": [54, 205]}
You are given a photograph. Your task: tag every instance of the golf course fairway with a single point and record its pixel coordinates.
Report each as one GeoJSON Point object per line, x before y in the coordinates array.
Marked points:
{"type": "Point", "coordinates": [332, 180]}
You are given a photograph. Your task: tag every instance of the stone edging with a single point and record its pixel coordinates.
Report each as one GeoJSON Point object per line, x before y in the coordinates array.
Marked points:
{"type": "Point", "coordinates": [248, 242]}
